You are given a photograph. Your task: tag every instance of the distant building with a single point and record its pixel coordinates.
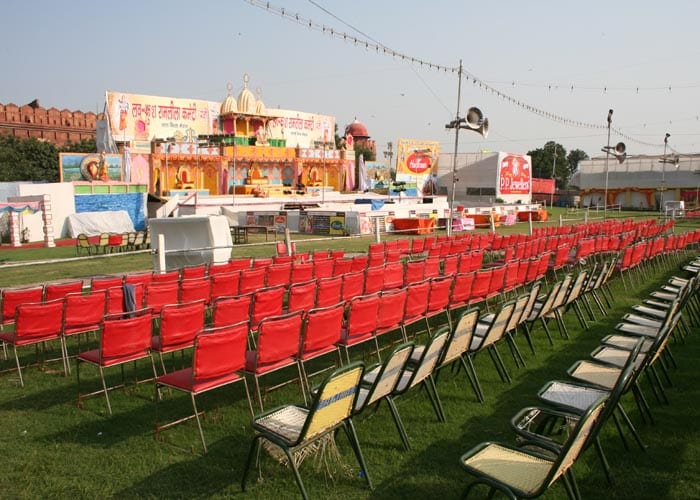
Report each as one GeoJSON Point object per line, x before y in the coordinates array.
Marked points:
{"type": "Point", "coordinates": [52, 125]}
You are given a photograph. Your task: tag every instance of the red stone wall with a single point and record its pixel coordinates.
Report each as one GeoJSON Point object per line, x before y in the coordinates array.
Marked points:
{"type": "Point", "coordinates": [58, 127]}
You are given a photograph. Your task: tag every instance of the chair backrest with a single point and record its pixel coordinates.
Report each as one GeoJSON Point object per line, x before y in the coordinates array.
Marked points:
{"type": "Point", "coordinates": [266, 302]}
{"type": "Point", "coordinates": [576, 287]}
{"type": "Point", "coordinates": [416, 305]}
{"type": "Point", "coordinates": [560, 297]}
{"type": "Point", "coordinates": [159, 294]}
{"type": "Point", "coordinates": [391, 308]}
{"type": "Point", "coordinates": [278, 338]}
{"type": "Point", "coordinates": [126, 338]}
{"type": "Point", "coordinates": [333, 402]}
{"type": "Point", "coordinates": [301, 296]}
{"type": "Point", "coordinates": [521, 302]}
{"type": "Point", "coordinates": [179, 323]}
{"type": "Point", "coordinates": [341, 266]}
{"type": "Point", "coordinates": [118, 302]}
{"type": "Point", "coordinates": [329, 291]}
{"type": "Point", "coordinates": [105, 282]}
{"type": "Point", "coordinates": [393, 275]}
{"type": "Point", "coordinates": [374, 279]}
{"type": "Point", "coordinates": [387, 376]}
{"type": "Point", "coordinates": [432, 267]}
{"type": "Point", "coordinates": [428, 360]}
{"type": "Point", "coordinates": [362, 315]}
{"type": "Point", "coordinates": [38, 320]}
{"type": "Point", "coordinates": [323, 267]}
{"type": "Point", "coordinates": [142, 278]}
{"type": "Point", "coordinates": [499, 324]}
{"type": "Point", "coordinates": [461, 288]}
{"type": "Point", "coordinates": [302, 272]}
{"type": "Point", "coordinates": [224, 284]}
{"type": "Point", "coordinates": [259, 262]}
{"type": "Point", "coordinates": [193, 289]}
{"type": "Point", "coordinates": [461, 336]}
{"type": "Point", "coordinates": [219, 351]}
{"type": "Point", "coordinates": [439, 293]}
{"type": "Point", "coordinates": [229, 310]}
{"type": "Point", "coordinates": [414, 271]}
{"type": "Point", "coordinates": [353, 285]}
{"type": "Point", "coordinates": [166, 276]}
{"type": "Point", "coordinates": [54, 291]}
{"type": "Point", "coordinates": [252, 280]}
{"type": "Point", "coordinates": [545, 306]}
{"type": "Point", "coordinates": [497, 278]}
{"type": "Point", "coordinates": [12, 297]}
{"type": "Point", "coordinates": [196, 271]}
{"type": "Point", "coordinates": [480, 286]}
{"type": "Point", "coordinates": [322, 328]}
{"type": "Point", "coordinates": [575, 443]}
{"type": "Point", "coordinates": [83, 312]}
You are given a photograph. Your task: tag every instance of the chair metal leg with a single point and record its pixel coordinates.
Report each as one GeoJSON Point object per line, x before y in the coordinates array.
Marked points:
{"type": "Point", "coordinates": [398, 422]}
{"type": "Point", "coordinates": [251, 453]}
{"type": "Point", "coordinates": [476, 385]}
{"type": "Point", "coordinates": [355, 443]}
{"type": "Point", "coordinates": [631, 427]}
{"type": "Point", "coordinates": [603, 461]}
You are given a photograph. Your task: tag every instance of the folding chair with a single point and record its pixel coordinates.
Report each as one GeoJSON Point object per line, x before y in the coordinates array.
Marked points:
{"type": "Point", "coordinates": [361, 323]}
{"type": "Point", "coordinates": [82, 313]}
{"type": "Point", "coordinates": [179, 324]}
{"type": "Point", "coordinates": [124, 339]}
{"type": "Point", "coordinates": [36, 323]}
{"type": "Point", "coordinates": [527, 473]}
{"type": "Point", "coordinates": [219, 356]}
{"type": "Point", "coordinates": [277, 345]}
{"type": "Point", "coordinates": [319, 336]}
{"type": "Point", "coordinates": [298, 430]}
{"type": "Point", "coordinates": [329, 291]}
{"type": "Point", "coordinates": [232, 310]}
{"type": "Point", "coordinates": [252, 280]}
{"type": "Point", "coordinates": [224, 284]}
{"type": "Point", "coordinates": [266, 302]}
{"type": "Point", "coordinates": [160, 294]}
{"type": "Point", "coordinates": [12, 297]}
{"type": "Point", "coordinates": [53, 291]}
{"type": "Point", "coordinates": [193, 289]}
{"type": "Point", "coordinates": [301, 296]}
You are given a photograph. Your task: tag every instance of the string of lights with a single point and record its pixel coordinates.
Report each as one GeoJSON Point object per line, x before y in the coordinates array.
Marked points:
{"type": "Point", "coordinates": [370, 44]}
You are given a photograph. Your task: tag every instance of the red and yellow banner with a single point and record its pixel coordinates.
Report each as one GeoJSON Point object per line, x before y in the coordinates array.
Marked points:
{"type": "Point", "coordinates": [514, 174]}
{"type": "Point", "coordinates": [417, 161]}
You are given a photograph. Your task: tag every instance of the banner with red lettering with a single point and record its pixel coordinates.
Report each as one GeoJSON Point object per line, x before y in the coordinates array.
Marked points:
{"type": "Point", "coordinates": [514, 174]}
{"type": "Point", "coordinates": [135, 117]}
{"type": "Point", "coordinates": [417, 162]}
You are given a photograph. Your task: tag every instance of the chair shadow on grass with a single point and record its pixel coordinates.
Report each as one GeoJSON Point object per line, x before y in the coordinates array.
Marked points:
{"type": "Point", "coordinates": [435, 470]}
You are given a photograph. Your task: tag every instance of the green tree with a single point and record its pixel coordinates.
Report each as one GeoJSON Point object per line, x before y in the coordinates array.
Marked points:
{"type": "Point", "coordinates": [543, 163]}
{"type": "Point", "coordinates": [575, 156]}
{"type": "Point", "coordinates": [84, 146]}
{"type": "Point", "coordinates": [27, 160]}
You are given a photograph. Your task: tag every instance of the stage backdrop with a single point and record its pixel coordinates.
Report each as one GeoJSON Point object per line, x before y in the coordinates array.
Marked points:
{"type": "Point", "coordinates": [417, 161]}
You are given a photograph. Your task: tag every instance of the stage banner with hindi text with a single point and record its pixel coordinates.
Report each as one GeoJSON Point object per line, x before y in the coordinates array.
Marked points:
{"type": "Point", "coordinates": [136, 117]}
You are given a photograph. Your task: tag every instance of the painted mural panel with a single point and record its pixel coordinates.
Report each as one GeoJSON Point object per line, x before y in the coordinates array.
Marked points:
{"type": "Point", "coordinates": [90, 167]}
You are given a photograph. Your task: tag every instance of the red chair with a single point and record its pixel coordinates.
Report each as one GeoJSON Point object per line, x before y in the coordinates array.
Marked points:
{"type": "Point", "coordinates": [432, 268]}
{"type": "Point", "coordinates": [179, 323]}
{"type": "Point", "coordinates": [416, 304]}
{"type": "Point", "coordinates": [123, 340]}
{"type": "Point", "coordinates": [320, 254]}
{"type": "Point", "coordinates": [158, 295]}
{"type": "Point", "coordinates": [219, 356]}
{"type": "Point", "coordinates": [82, 313]}
{"type": "Point", "coordinates": [323, 268]}
{"type": "Point", "coordinates": [35, 323]}
{"type": "Point", "coordinates": [302, 272]}
{"type": "Point", "coordinates": [450, 265]}
{"type": "Point", "coordinates": [240, 264]}
{"type": "Point", "coordinates": [252, 280]}
{"type": "Point", "coordinates": [510, 279]}
{"type": "Point", "coordinates": [105, 282]}
{"type": "Point", "coordinates": [53, 291]}
{"type": "Point", "coordinates": [222, 268]}
{"type": "Point", "coordinates": [224, 284]}
{"type": "Point", "coordinates": [197, 271]}
{"type": "Point", "coordinates": [266, 302]}
{"type": "Point", "coordinates": [279, 274]}
{"type": "Point", "coordinates": [361, 322]}
{"type": "Point", "coordinates": [228, 311]}
{"type": "Point", "coordinates": [461, 291]}
{"type": "Point", "coordinates": [329, 291]}
{"type": "Point", "coordinates": [114, 243]}
{"type": "Point", "coordinates": [439, 300]}
{"type": "Point", "coordinates": [392, 304]}
{"type": "Point", "coordinates": [393, 275]}
{"type": "Point", "coordinates": [417, 246]}
{"type": "Point", "coordinates": [277, 348]}
{"type": "Point", "coordinates": [139, 278]}
{"type": "Point", "coordinates": [12, 297]}
{"type": "Point", "coordinates": [375, 260]}
{"type": "Point", "coordinates": [259, 262]}
{"type": "Point", "coordinates": [359, 263]}
{"type": "Point", "coordinates": [496, 283]}
{"type": "Point", "coordinates": [301, 296]}
{"type": "Point", "coordinates": [341, 266]}
{"type": "Point", "coordinates": [166, 276]}
{"type": "Point", "coordinates": [353, 285]}
{"type": "Point", "coordinates": [480, 287]}
{"type": "Point", "coordinates": [414, 271]}
{"type": "Point", "coordinates": [194, 289]}
{"type": "Point", "coordinates": [117, 303]}
{"type": "Point", "coordinates": [337, 254]}
{"type": "Point", "coordinates": [320, 335]}
{"type": "Point", "coordinates": [374, 280]}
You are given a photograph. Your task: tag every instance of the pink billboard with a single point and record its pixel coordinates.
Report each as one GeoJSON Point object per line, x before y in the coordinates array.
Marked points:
{"type": "Point", "coordinates": [514, 174]}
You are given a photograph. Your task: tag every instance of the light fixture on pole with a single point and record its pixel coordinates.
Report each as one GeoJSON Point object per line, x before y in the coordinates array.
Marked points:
{"type": "Point", "coordinates": [554, 169]}
{"type": "Point", "coordinates": [323, 187]}
{"type": "Point", "coordinates": [618, 152]}
{"type": "Point", "coordinates": [474, 121]}
{"type": "Point", "coordinates": [673, 161]}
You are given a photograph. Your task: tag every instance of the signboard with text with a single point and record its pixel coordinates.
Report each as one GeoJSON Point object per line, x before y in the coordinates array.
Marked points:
{"type": "Point", "coordinates": [514, 174]}
{"type": "Point", "coordinates": [417, 162]}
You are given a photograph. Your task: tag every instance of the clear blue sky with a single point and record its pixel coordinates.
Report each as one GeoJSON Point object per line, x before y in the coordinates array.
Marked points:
{"type": "Point", "coordinates": [68, 53]}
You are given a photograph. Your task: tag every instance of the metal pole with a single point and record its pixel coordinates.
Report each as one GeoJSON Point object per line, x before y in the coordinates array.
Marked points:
{"type": "Point", "coordinates": [454, 158]}
{"type": "Point", "coordinates": [323, 187]}
{"type": "Point", "coordinates": [554, 169]}
{"type": "Point", "coordinates": [161, 253]}
{"type": "Point", "coordinates": [607, 158]}
{"type": "Point", "coordinates": [663, 175]}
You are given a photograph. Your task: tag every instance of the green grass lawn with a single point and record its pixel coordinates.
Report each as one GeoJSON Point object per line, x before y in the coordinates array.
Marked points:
{"type": "Point", "coordinates": [54, 449]}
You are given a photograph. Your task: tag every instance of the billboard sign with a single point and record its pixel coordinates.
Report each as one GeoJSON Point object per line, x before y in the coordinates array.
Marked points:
{"type": "Point", "coordinates": [514, 174]}
{"type": "Point", "coordinates": [417, 162]}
